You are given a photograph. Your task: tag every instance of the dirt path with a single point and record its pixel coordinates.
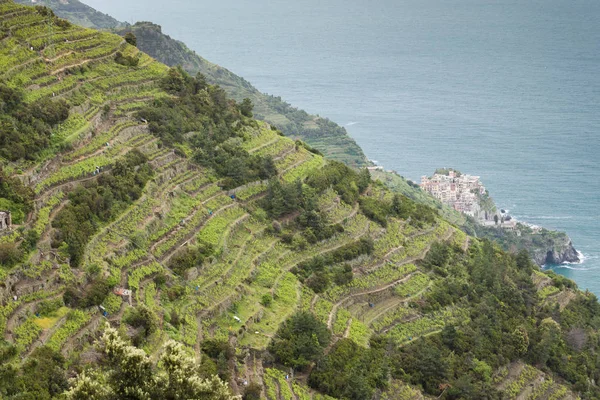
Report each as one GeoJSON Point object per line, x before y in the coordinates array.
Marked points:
{"type": "Point", "coordinates": [87, 60]}
{"type": "Point", "coordinates": [262, 146]}
{"type": "Point", "coordinates": [347, 330]}
{"type": "Point", "coordinates": [167, 255]}
{"type": "Point", "coordinates": [351, 215]}
{"type": "Point", "coordinates": [313, 302]}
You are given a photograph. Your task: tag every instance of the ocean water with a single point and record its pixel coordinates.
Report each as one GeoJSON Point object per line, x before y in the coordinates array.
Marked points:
{"type": "Point", "coordinates": [508, 90]}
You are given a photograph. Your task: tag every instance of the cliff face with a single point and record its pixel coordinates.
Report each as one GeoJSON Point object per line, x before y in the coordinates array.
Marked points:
{"type": "Point", "coordinates": [544, 246]}
{"type": "Point", "coordinates": [559, 253]}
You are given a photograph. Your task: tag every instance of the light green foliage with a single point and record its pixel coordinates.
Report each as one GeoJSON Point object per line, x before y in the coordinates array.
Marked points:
{"type": "Point", "coordinates": [383, 275]}
{"type": "Point", "coordinates": [400, 391]}
{"type": "Point", "coordinates": [427, 324]}
{"type": "Point", "coordinates": [78, 170]}
{"type": "Point", "coordinates": [112, 303]}
{"type": "Point", "coordinates": [76, 319]}
{"type": "Point", "coordinates": [359, 332]}
{"type": "Point", "coordinates": [417, 283]}
{"type": "Point", "coordinates": [43, 217]}
{"type": "Point", "coordinates": [526, 375]}
{"type": "Point", "coordinates": [391, 317]}
{"type": "Point", "coordinates": [141, 272]}
{"type": "Point", "coordinates": [216, 227]}
{"type": "Point", "coordinates": [341, 320]}
{"type": "Point", "coordinates": [303, 170]}
{"type": "Point", "coordinates": [548, 291]}
{"type": "Point", "coordinates": [26, 333]}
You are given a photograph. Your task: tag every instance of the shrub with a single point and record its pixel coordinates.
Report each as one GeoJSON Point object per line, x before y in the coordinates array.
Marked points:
{"type": "Point", "coordinates": [300, 340]}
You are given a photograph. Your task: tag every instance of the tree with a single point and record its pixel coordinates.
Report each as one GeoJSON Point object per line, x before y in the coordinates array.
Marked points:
{"type": "Point", "coordinates": [350, 371]}
{"type": "Point", "coordinates": [496, 219]}
{"type": "Point", "coordinates": [246, 107]}
{"type": "Point", "coordinates": [300, 340]}
{"type": "Point", "coordinates": [131, 38]}
{"type": "Point", "coordinates": [128, 373]}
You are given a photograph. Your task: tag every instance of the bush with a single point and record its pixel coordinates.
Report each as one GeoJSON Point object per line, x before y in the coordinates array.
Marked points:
{"type": "Point", "coordinates": [47, 307]}
{"type": "Point", "coordinates": [350, 371]}
{"type": "Point", "coordinates": [131, 38]}
{"type": "Point", "coordinates": [10, 254]}
{"type": "Point", "coordinates": [300, 340]}
{"type": "Point", "coordinates": [252, 391]}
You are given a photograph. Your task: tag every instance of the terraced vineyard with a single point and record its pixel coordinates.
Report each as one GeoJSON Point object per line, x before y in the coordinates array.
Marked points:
{"type": "Point", "coordinates": [208, 254]}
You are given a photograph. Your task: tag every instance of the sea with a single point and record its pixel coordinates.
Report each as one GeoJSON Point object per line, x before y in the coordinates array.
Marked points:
{"type": "Point", "coordinates": [508, 90]}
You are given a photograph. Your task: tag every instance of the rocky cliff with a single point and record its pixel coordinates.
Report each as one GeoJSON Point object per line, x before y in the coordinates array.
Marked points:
{"type": "Point", "coordinates": [560, 253]}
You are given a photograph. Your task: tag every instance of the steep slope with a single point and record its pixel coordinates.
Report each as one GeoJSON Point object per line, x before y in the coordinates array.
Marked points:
{"type": "Point", "coordinates": [321, 133]}
{"type": "Point", "coordinates": [78, 13]}
{"type": "Point", "coordinates": [326, 136]}
{"type": "Point", "coordinates": [136, 177]}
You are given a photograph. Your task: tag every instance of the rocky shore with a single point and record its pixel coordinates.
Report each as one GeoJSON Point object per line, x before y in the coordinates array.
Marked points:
{"type": "Point", "coordinates": [563, 252]}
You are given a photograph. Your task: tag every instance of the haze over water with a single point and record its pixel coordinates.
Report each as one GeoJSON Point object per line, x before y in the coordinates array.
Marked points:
{"type": "Point", "coordinates": [508, 90]}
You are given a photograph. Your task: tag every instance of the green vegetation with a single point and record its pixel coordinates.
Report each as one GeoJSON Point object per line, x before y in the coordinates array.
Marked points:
{"type": "Point", "coordinates": [326, 136]}
{"type": "Point", "coordinates": [98, 202]}
{"type": "Point", "coordinates": [242, 248]}
{"type": "Point", "coordinates": [300, 340]}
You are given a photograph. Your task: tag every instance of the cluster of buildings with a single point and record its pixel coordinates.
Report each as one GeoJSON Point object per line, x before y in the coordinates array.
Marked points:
{"type": "Point", "coordinates": [460, 191]}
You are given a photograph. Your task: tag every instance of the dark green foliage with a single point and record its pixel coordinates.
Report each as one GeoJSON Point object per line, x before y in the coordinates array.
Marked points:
{"type": "Point", "coordinates": [41, 377]}
{"type": "Point", "coordinates": [350, 371]}
{"type": "Point", "coordinates": [10, 254]}
{"type": "Point", "coordinates": [25, 128]}
{"type": "Point", "coordinates": [315, 227]}
{"type": "Point", "coordinates": [246, 107]}
{"type": "Point", "coordinates": [20, 196]}
{"type": "Point", "coordinates": [30, 240]}
{"type": "Point", "coordinates": [220, 352]}
{"type": "Point", "coordinates": [266, 300]}
{"type": "Point", "coordinates": [98, 202]}
{"type": "Point", "coordinates": [499, 294]}
{"type": "Point", "coordinates": [217, 124]}
{"type": "Point", "coordinates": [130, 38]}
{"type": "Point", "coordinates": [96, 293]}
{"type": "Point", "coordinates": [144, 319]}
{"type": "Point", "coordinates": [47, 307]}
{"type": "Point", "coordinates": [344, 180]}
{"type": "Point", "coordinates": [300, 340]}
{"type": "Point", "coordinates": [128, 61]}
{"type": "Point", "coordinates": [44, 11]}
{"type": "Point", "coordinates": [343, 275]}
{"type": "Point", "coordinates": [402, 207]}
{"type": "Point", "coordinates": [375, 209]}
{"type": "Point", "coordinates": [284, 198]}
{"type": "Point", "coordinates": [189, 257]}
{"type": "Point", "coordinates": [347, 252]}
{"type": "Point", "coordinates": [252, 391]}
{"type": "Point", "coordinates": [437, 258]}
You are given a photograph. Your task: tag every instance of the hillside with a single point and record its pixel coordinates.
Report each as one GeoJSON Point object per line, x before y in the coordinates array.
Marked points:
{"type": "Point", "coordinates": [326, 136]}
{"type": "Point", "coordinates": [250, 258]}
{"type": "Point", "coordinates": [78, 13]}
{"type": "Point", "coordinates": [321, 133]}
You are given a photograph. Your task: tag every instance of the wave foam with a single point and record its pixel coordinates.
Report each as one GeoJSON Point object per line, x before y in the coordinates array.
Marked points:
{"type": "Point", "coordinates": [544, 217]}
